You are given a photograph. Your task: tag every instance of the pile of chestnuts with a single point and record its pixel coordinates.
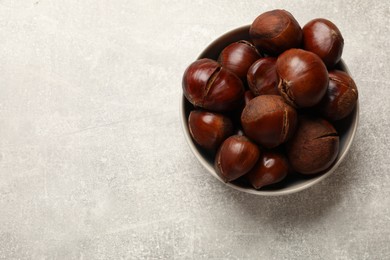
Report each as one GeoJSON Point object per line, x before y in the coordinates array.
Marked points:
{"type": "Point", "coordinates": [266, 108]}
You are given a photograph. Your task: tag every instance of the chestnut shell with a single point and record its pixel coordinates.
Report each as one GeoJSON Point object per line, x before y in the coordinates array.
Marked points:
{"type": "Point", "coordinates": [314, 147]}
{"type": "Point", "coordinates": [341, 96]}
{"type": "Point", "coordinates": [208, 85]}
{"type": "Point", "coordinates": [275, 31]}
{"type": "Point", "coordinates": [272, 167]}
{"type": "Point", "coordinates": [236, 156]}
{"type": "Point", "coordinates": [238, 57]}
{"type": "Point", "coordinates": [303, 77]}
{"type": "Point", "coordinates": [323, 38]}
{"type": "Point", "coordinates": [208, 129]}
{"type": "Point", "coordinates": [268, 120]}
{"type": "Point", "coordinates": [262, 77]}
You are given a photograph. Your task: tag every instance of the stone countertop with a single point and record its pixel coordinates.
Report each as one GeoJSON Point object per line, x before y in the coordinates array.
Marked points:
{"type": "Point", "coordinates": [94, 164]}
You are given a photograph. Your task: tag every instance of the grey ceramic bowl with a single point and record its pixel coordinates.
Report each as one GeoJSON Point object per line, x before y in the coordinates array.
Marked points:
{"type": "Point", "coordinates": [346, 129]}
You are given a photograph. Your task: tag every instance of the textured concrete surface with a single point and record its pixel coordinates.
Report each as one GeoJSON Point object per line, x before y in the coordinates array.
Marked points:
{"type": "Point", "coordinates": [93, 162]}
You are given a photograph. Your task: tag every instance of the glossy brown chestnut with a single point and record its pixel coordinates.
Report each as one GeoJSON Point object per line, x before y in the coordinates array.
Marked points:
{"type": "Point", "coordinates": [275, 31]}
{"type": "Point", "coordinates": [314, 146]}
{"type": "Point", "coordinates": [208, 85]}
{"type": "Point", "coordinates": [208, 129]}
{"type": "Point", "coordinates": [268, 120]}
{"type": "Point", "coordinates": [272, 167]}
{"type": "Point", "coordinates": [340, 98]}
{"type": "Point", "coordinates": [262, 77]}
{"type": "Point", "coordinates": [303, 77]}
{"type": "Point", "coordinates": [248, 96]}
{"type": "Point", "coordinates": [236, 156]}
{"type": "Point", "coordinates": [238, 57]}
{"type": "Point", "coordinates": [323, 38]}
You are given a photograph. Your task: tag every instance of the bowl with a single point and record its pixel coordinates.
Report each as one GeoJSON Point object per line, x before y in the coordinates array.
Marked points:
{"type": "Point", "coordinates": [345, 127]}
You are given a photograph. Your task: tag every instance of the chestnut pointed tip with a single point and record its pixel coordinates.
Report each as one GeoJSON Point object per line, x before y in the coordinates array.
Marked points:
{"type": "Point", "coordinates": [257, 187]}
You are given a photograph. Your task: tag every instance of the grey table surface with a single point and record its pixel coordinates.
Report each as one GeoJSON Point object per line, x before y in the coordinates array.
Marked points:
{"type": "Point", "coordinates": [94, 164]}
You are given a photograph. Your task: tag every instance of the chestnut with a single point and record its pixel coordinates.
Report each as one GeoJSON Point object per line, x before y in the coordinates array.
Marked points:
{"type": "Point", "coordinates": [340, 98]}
{"type": "Point", "coordinates": [208, 129]}
{"type": "Point", "coordinates": [272, 167]}
{"type": "Point", "coordinates": [268, 120]}
{"type": "Point", "coordinates": [275, 31]}
{"type": "Point", "coordinates": [314, 147]}
{"type": "Point", "coordinates": [303, 77]}
{"type": "Point", "coordinates": [323, 38]}
{"type": "Point", "coordinates": [208, 85]}
{"type": "Point", "coordinates": [236, 156]}
{"type": "Point", "coordinates": [238, 57]}
{"type": "Point", "coordinates": [262, 77]}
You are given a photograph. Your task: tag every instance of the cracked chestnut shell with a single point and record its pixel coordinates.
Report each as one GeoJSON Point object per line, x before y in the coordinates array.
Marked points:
{"type": "Point", "coordinates": [262, 77]}
{"type": "Point", "coordinates": [314, 146]}
{"type": "Point", "coordinates": [208, 85]}
{"type": "Point", "coordinates": [341, 96]}
{"type": "Point", "coordinates": [323, 38]}
{"type": "Point", "coordinates": [236, 156]}
{"type": "Point", "coordinates": [268, 120]}
{"type": "Point", "coordinates": [275, 31]}
{"type": "Point", "coordinates": [272, 167]}
{"type": "Point", "coordinates": [208, 129]}
{"type": "Point", "coordinates": [303, 77]}
{"type": "Point", "coordinates": [238, 57]}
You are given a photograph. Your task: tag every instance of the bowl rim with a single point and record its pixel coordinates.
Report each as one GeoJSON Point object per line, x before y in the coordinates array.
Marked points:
{"type": "Point", "coordinates": [284, 191]}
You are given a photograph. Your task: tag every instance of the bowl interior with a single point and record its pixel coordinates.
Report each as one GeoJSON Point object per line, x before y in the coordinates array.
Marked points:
{"type": "Point", "coordinates": [346, 129]}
